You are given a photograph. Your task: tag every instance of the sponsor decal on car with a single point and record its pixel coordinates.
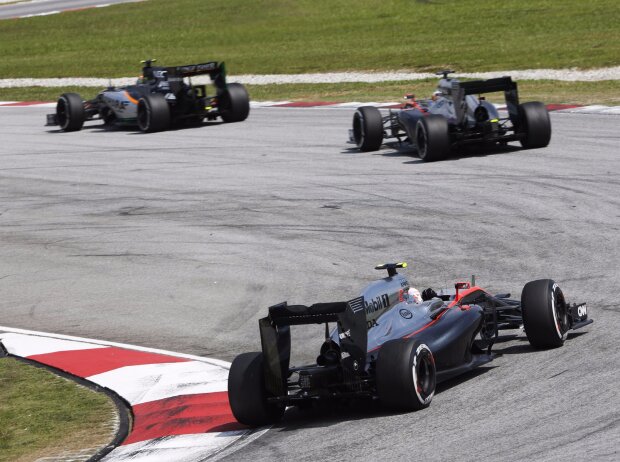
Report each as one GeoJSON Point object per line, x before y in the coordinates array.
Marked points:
{"type": "Point", "coordinates": [116, 104]}
{"type": "Point", "coordinates": [582, 310]}
{"type": "Point", "coordinates": [405, 313]}
{"type": "Point", "coordinates": [206, 67]}
{"type": "Point", "coordinates": [378, 303]}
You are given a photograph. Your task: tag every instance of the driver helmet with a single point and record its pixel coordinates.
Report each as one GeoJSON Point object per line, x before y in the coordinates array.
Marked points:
{"type": "Point", "coordinates": [414, 295]}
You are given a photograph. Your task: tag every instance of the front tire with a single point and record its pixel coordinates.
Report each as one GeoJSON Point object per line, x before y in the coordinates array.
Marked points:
{"type": "Point", "coordinates": [234, 103]}
{"type": "Point", "coordinates": [405, 375]}
{"type": "Point", "coordinates": [432, 138]}
{"type": "Point", "coordinates": [535, 125]}
{"type": "Point", "coordinates": [70, 112]}
{"type": "Point", "coordinates": [545, 314]}
{"type": "Point", "coordinates": [247, 392]}
{"type": "Point", "coordinates": [368, 128]}
{"type": "Point", "coordinates": [153, 113]}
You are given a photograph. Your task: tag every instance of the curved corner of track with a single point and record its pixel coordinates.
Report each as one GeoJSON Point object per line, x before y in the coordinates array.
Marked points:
{"type": "Point", "coordinates": [179, 403]}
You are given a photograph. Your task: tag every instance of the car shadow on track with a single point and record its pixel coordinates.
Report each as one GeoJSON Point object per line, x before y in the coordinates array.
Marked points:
{"type": "Point", "coordinates": [180, 127]}
{"type": "Point", "coordinates": [484, 151]}
{"type": "Point", "coordinates": [334, 412]}
{"type": "Point", "coordinates": [401, 152]}
{"type": "Point", "coordinates": [406, 150]}
{"type": "Point", "coordinates": [132, 130]}
{"type": "Point", "coordinates": [523, 345]}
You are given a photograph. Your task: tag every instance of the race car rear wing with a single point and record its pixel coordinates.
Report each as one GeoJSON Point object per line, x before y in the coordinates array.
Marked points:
{"type": "Point", "coordinates": [175, 74]}
{"type": "Point", "coordinates": [350, 318]}
{"type": "Point", "coordinates": [189, 70]}
{"type": "Point", "coordinates": [475, 87]}
{"type": "Point", "coordinates": [505, 84]}
{"type": "Point", "coordinates": [215, 70]}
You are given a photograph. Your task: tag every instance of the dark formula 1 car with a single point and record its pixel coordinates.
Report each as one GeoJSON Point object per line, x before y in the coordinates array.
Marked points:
{"type": "Point", "coordinates": [455, 117]}
{"type": "Point", "coordinates": [391, 344]}
{"type": "Point", "coordinates": [161, 97]}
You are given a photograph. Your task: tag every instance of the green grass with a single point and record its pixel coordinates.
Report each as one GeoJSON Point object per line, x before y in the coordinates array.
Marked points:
{"type": "Point", "coordinates": [44, 415]}
{"type": "Point", "coordinates": [605, 92]}
{"type": "Point", "coordinates": [284, 36]}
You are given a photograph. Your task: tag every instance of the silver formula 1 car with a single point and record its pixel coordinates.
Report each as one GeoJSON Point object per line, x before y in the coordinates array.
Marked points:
{"type": "Point", "coordinates": [162, 97]}
{"type": "Point", "coordinates": [456, 116]}
{"type": "Point", "coordinates": [391, 343]}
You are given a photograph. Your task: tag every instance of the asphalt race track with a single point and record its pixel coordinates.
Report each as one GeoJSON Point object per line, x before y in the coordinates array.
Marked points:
{"type": "Point", "coordinates": [180, 240]}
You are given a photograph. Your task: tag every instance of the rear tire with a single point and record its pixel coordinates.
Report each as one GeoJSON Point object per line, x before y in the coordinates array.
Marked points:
{"type": "Point", "coordinates": [405, 375]}
{"type": "Point", "coordinates": [535, 125]}
{"type": "Point", "coordinates": [545, 313]}
{"type": "Point", "coordinates": [368, 128]}
{"type": "Point", "coordinates": [247, 393]}
{"type": "Point", "coordinates": [153, 113]}
{"type": "Point", "coordinates": [234, 103]}
{"type": "Point", "coordinates": [432, 138]}
{"type": "Point", "coordinates": [70, 112]}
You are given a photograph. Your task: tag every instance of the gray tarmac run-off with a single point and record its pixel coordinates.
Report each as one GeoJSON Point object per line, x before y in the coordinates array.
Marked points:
{"type": "Point", "coordinates": [180, 240]}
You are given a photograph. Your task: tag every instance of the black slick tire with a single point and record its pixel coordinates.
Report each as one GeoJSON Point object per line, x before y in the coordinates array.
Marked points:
{"type": "Point", "coordinates": [234, 103]}
{"type": "Point", "coordinates": [432, 138]}
{"type": "Point", "coordinates": [534, 125]}
{"type": "Point", "coordinates": [70, 112]}
{"type": "Point", "coordinates": [153, 113]}
{"type": "Point", "coordinates": [406, 375]}
{"type": "Point", "coordinates": [545, 314]}
{"type": "Point", "coordinates": [247, 393]}
{"type": "Point", "coordinates": [368, 128]}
